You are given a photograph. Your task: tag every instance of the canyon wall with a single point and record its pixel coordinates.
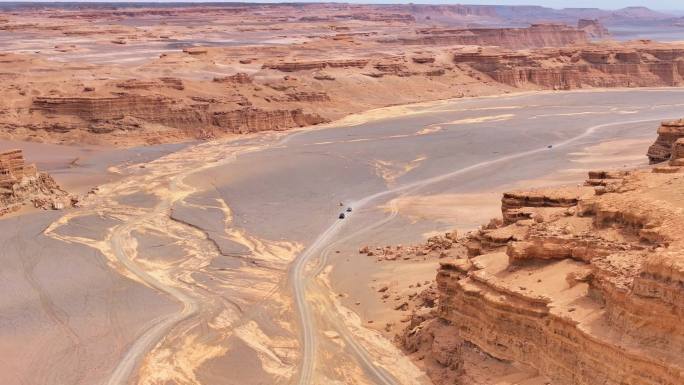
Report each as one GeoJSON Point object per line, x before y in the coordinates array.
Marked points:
{"type": "Point", "coordinates": [580, 67]}
{"type": "Point", "coordinates": [668, 133]}
{"type": "Point", "coordinates": [130, 112]}
{"type": "Point", "coordinates": [593, 28]}
{"type": "Point", "coordinates": [298, 91]}
{"type": "Point", "coordinates": [535, 36]}
{"type": "Point", "coordinates": [21, 183]}
{"type": "Point", "coordinates": [584, 285]}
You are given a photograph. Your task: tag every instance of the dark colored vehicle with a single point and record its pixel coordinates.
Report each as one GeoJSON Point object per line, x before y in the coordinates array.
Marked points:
{"type": "Point", "coordinates": [341, 216]}
{"type": "Point", "coordinates": [549, 146]}
{"type": "Point", "coordinates": [348, 209]}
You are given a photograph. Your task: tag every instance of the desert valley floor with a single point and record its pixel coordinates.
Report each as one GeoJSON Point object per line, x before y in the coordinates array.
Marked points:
{"type": "Point", "coordinates": [223, 243]}
{"type": "Point", "coordinates": [343, 194]}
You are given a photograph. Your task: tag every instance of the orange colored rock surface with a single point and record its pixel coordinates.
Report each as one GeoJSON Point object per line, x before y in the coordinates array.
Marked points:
{"type": "Point", "coordinates": [67, 78]}
{"type": "Point", "coordinates": [668, 133]}
{"type": "Point", "coordinates": [21, 183]}
{"type": "Point", "coordinates": [585, 290]}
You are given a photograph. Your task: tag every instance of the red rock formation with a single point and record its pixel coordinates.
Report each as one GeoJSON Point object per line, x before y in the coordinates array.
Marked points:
{"type": "Point", "coordinates": [535, 36]}
{"type": "Point", "coordinates": [668, 133]}
{"type": "Point", "coordinates": [21, 183]}
{"type": "Point", "coordinates": [131, 112]}
{"type": "Point", "coordinates": [139, 84]}
{"type": "Point", "coordinates": [423, 59]}
{"type": "Point", "coordinates": [587, 290]}
{"type": "Point", "coordinates": [303, 96]}
{"type": "Point", "coordinates": [519, 205]}
{"type": "Point", "coordinates": [580, 67]}
{"type": "Point", "coordinates": [593, 28]}
{"type": "Point", "coordinates": [316, 65]}
{"type": "Point", "coordinates": [238, 78]}
{"type": "Point", "coordinates": [254, 120]}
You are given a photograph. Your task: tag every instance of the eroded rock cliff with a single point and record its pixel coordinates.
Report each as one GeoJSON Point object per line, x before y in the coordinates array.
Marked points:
{"type": "Point", "coordinates": [668, 133]}
{"type": "Point", "coordinates": [21, 183]}
{"type": "Point", "coordinates": [535, 36]}
{"type": "Point", "coordinates": [584, 285]}
{"type": "Point", "coordinates": [589, 66]}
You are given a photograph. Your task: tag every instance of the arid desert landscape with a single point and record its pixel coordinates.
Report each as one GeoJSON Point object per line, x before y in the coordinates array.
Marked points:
{"type": "Point", "coordinates": [334, 193]}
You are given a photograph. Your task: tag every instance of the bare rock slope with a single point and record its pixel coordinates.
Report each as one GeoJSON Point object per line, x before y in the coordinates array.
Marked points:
{"type": "Point", "coordinates": [21, 183]}
{"type": "Point", "coordinates": [120, 76]}
{"type": "Point", "coordinates": [584, 285]}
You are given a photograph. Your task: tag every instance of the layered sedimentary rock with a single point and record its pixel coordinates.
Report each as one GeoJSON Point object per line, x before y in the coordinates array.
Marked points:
{"type": "Point", "coordinates": [178, 80]}
{"type": "Point", "coordinates": [677, 155]}
{"type": "Point", "coordinates": [668, 133]}
{"type": "Point", "coordinates": [517, 205]}
{"type": "Point", "coordinates": [130, 112]}
{"type": "Point", "coordinates": [593, 28]}
{"type": "Point", "coordinates": [587, 289]}
{"type": "Point", "coordinates": [537, 35]}
{"type": "Point", "coordinates": [238, 78]}
{"type": "Point", "coordinates": [253, 120]}
{"type": "Point", "coordinates": [292, 66]}
{"type": "Point", "coordinates": [570, 68]}
{"type": "Point", "coordinates": [21, 183]}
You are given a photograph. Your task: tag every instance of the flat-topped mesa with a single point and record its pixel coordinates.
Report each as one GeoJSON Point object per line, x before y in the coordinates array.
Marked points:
{"type": "Point", "coordinates": [668, 133]}
{"type": "Point", "coordinates": [197, 118]}
{"type": "Point", "coordinates": [593, 28]}
{"type": "Point", "coordinates": [534, 36]}
{"type": "Point", "coordinates": [140, 84]}
{"type": "Point", "coordinates": [293, 66]}
{"type": "Point", "coordinates": [238, 78]}
{"type": "Point", "coordinates": [579, 67]}
{"type": "Point", "coordinates": [255, 120]}
{"type": "Point", "coordinates": [517, 205]}
{"type": "Point", "coordinates": [21, 183]}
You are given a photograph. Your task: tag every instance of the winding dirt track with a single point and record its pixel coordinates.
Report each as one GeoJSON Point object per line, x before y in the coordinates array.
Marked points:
{"type": "Point", "coordinates": [119, 241]}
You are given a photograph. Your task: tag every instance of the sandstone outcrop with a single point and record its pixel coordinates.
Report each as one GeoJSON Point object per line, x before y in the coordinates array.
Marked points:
{"type": "Point", "coordinates": [238, 78]}
{"type": "Point", "coordinates": [21, 183]}
{"type": "Point", "coordinates": [571, 68]}
{"type": "Point", "coordinates": [334, 61]}
{"type": "Point", "coordinates": [593, 28]}
{"type": "Point", "coordinates": [254, 120]}
{"type": "Point", "coordinates": [131, 112]}
{"type": "Point", "coordinates": [535, 36]}
{"type": "Point", "coordinates": [294, 66]}
{"type": "Point", "coordinates": [668, 133]}
{"type": "Point", "coordinates": [587, 289]}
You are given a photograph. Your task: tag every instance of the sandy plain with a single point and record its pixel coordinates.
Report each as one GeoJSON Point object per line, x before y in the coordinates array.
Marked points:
{"type": "Point", "coordinates": [224, 261]}
{"type": "Point", "coordinates": [220, 227]}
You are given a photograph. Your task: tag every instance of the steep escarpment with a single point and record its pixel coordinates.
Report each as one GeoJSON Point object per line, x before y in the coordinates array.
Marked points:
{"type": "Point", "coordinates": [163, 109]}
{"type": "Point", "coordinates": [668, 133]}
{"type": "Point", "coordinates": [130, 112]}
{"type": "Point", "coordinates": [584, 285]}
{"type": "Point", "coordinates": [21, 183]}
{"type": "Point", "coordinates": [593, 28]}
{"type": "Point", "coordinates": [590, 66]}
{"type": "Point", "coordinates": [535, 36]}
